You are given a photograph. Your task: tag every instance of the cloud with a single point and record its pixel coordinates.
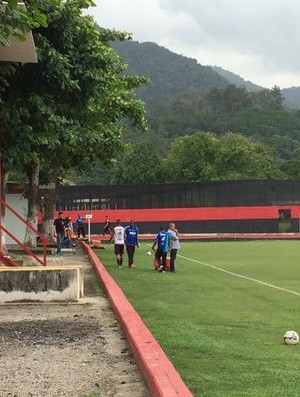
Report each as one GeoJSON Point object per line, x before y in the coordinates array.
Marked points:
{"type": "Point", "coordinates": [257, 40]}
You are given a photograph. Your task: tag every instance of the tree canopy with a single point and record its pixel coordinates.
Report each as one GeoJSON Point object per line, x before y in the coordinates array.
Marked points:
{"type": "Point", "coordinates": [73, 106]}
{"type": "Point", "coordinates": [138, 164]}
{"type": "Point", "coordinates": [69, 105]}
{"type": "Point", "coordinates": [204, 156]}
{"type": "Point", "coordinates": [16, 20]}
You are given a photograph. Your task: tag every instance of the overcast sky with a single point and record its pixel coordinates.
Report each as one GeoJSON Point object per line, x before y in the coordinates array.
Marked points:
{"type": "Point", "coordinates": [257, 39]}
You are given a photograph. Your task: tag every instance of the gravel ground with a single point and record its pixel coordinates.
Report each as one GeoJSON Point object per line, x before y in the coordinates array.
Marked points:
{"type": "Point", "coordinates": [62, 350]}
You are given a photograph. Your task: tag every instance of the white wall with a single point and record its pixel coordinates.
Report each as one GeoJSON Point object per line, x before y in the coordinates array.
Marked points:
{"type": "Point", "coordinates": [11, 222]}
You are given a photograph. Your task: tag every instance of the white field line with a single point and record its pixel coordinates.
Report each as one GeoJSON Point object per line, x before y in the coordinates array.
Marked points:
{"type": "Point", "coordinates": [241, 276]}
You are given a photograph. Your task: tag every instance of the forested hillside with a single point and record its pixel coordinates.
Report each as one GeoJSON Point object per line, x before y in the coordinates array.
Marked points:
{"type": "Point", "coordinates": [171, 75]}
{"type": "Point", "coordinates": [236, 80]}
{"type": "Point", "coordinates": [198, 117]}
{"type": "Point", "coordinates": [292, 97]}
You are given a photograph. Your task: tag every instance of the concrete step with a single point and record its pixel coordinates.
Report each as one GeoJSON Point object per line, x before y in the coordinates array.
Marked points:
{"type": "Point", "coordinates": [16, 249]}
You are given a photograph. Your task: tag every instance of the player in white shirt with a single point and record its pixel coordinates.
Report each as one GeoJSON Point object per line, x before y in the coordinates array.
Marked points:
{"type": "Point", "coordinates": [119, 235]}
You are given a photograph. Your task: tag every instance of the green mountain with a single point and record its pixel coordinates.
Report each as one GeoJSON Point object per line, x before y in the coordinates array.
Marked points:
{"type": "Point", "coordinates": [236, 79]}
{"type": "Point", "coordinates": [185, 97]}
{"type": "Point", "coordinates": [171, 75]}
{"type": "Point", "coordinates": [292, 97]}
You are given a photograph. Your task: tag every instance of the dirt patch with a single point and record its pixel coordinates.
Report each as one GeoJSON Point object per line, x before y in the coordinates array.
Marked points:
{"type": "Point", "coordinates": [61, 350]}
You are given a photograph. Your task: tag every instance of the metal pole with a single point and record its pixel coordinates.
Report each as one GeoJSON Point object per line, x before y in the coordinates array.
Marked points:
{"type": "Point", "coordinates": [89, 217]}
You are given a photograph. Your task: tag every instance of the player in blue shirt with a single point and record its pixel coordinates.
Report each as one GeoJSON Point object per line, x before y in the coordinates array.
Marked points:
{"type": "Point", "coordinates": [131, 241]}
{"type": "Point", "coordinates": [80, 226]}
{"type": "Point", "coordinates": [161, 251]}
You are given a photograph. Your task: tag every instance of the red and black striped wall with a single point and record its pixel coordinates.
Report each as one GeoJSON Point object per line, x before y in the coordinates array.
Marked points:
{"type": "Point", "coordinates": [254, 219]}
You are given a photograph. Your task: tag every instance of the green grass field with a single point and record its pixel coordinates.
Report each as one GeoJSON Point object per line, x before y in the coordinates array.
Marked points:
{"type": "Point", "coordinates": [221, 317]}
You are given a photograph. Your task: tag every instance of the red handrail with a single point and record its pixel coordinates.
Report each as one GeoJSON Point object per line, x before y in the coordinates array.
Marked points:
{"type": "Point", "coordinates": [24, 247]}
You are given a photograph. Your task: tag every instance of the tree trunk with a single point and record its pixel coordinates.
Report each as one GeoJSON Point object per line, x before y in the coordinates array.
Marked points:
{"type": "Point", "coordinates": [3, 190]}
{"type": "Point", "coordinates": [33, 200]}
{"type": "Point", "coordinates": [48, 202]}
{"type": "Point", "coordinates": [4, 179]}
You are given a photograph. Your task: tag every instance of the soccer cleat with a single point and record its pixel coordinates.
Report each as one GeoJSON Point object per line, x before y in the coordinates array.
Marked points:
{"type": "Point", "coordinates": [131, 266]}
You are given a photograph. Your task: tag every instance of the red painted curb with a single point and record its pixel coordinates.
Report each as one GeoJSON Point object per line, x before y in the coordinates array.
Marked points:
{"type": "Point", "coordinates": [160, 376]}
{"type": "Point", "coordinates": [216, 236]}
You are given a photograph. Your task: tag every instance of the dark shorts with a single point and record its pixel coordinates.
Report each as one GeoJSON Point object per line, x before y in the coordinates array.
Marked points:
{"type": "Point", "coordinates": [119, 249]}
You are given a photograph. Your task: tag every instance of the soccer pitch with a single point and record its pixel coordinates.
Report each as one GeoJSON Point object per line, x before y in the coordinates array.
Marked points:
{"type": "Point", "coordinates": [221, 317]}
